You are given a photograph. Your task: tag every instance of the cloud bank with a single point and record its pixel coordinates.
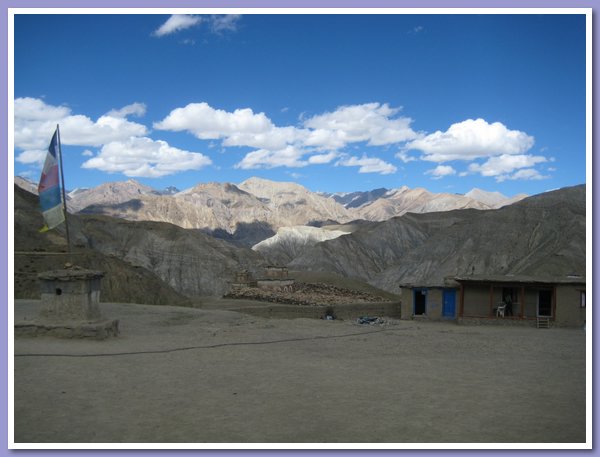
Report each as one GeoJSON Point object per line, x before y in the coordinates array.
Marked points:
{"type": "Point", "coordinates": [124, 146]}
{"type": "Point", "coordinates": [316, 141]}
{"type": "Point", "coordinates": [473, 146]}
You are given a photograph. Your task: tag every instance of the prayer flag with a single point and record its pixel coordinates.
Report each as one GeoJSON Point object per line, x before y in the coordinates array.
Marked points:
{"type": "Point", "coordinates": [49, 187]}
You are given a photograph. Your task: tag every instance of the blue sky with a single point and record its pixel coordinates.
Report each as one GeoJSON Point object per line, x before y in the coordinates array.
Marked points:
{"type": "Point", "coordinates": [333, 102]}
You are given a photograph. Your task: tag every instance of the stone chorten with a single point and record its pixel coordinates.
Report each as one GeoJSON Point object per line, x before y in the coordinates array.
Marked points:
{"type": "Point", "coordinates": [70, 306]}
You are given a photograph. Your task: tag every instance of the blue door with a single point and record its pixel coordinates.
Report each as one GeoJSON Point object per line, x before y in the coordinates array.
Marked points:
{"type": "Point", "coordinates": [449, 305]}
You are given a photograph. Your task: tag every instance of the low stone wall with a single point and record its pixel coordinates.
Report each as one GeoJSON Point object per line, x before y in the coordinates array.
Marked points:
{"type": "Point", "coordinates": [270, 283]}
{"type": "Point", "coordinates": [344, 312]}
{"type": "Point", "coordinates": [93, 330]}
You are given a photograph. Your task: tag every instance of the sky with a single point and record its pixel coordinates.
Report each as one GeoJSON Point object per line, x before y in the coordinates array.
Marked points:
{"type": "Point", "coordinates": [336, 103]}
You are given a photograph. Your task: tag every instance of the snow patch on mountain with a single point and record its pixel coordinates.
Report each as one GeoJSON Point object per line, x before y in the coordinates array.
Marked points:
{"type": "Point", "coordinates": [289, 242]}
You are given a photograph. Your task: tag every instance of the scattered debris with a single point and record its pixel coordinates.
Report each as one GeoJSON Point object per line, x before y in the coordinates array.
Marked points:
{"type": "Point", "coordinates": [366, 320]}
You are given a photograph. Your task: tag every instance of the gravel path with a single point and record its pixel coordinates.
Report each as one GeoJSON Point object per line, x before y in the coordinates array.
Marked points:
{"type": "Point", "coordinates": [216, 376]}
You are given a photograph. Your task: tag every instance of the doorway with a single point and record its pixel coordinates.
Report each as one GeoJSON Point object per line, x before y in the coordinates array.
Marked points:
{"type": "Point", "coordinates": [544, 303]}
{"type": "Point", "coordinates": [509, 298]}
{"type": "Point", "coordinates": [420, 302]}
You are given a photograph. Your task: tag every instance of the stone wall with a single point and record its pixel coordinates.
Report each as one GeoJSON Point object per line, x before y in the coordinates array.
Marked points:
{"type": "Point", "coordinates": [344, 312]}
{"type": "Point", "coordinates": [569, 312]}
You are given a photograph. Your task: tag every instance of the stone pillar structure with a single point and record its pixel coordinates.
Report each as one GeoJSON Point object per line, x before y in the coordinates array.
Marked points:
{"type": "Point", "coordinates": [72, 294]}
{"type": "Point", "coordinates": [70, 307]}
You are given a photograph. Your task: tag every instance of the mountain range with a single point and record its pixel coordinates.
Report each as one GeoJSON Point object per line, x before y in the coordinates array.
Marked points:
{"type": "Point", "coordinates": [255, 209]}
{"type": "Point", "coordinates": [160, 262]}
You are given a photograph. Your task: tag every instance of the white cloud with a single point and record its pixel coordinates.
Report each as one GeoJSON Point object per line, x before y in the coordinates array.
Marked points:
{"type": "Point", "coordinates": [176, 23]}
{"type": "Point", "coordinates": [526, 174]}
{"type": "Point", "coordinates": [217, 23]}
{"type": "Point", "coordinates": [263, 158]}
{"type": "Point", "coordinates": [323, 158]}
{"type": "Point", "coordinates": [402, 155]}
{"type": "Point", "coordinates": [441, 171]}
{"type": "Point", "coordinates": [503, 167]}
{"type": "Point", "coordinates": [368, 165]}
{"type": "Point", "coordinates": [208, 123]}
{"type": "Point", "coordinates": [135, 109]}
{"type": "Point", "coordinates": [35, 122]}
{"type": "Point", "coordinates": [224, 22]}
{"type": "Point", "coordinates": [81, 130]}
{"type": "Point", "coordinates": [472, 139]}
{"type": "Point", "coordinates": [36, 157]}
{"type": "Point", "coordinates": [274, 138]}
{"type": "Point", "coordinates": [504, 164]}
{"type": "Point", "coordinates": [371, 122]}
{"type": "Point", "coordinates": [324, 139]}
{"type": "Point", "coordinates": [34, 109]}
{"type": "Point", "coordinates": [144, 157]}
{"type": "Point", "coordinates": [87, 153]}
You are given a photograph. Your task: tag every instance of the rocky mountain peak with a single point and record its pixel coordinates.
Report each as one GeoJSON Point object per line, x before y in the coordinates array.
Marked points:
{"type": "Point", "coordinates": [489, 198]}
{"type": "Point", "coordinates": [265, 188]}
{"type": "Point", "coordinates": [27, 184]}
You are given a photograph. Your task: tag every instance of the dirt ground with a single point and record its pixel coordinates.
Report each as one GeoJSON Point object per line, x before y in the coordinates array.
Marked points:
{"type": "Point", "coordinates": [216, 376]}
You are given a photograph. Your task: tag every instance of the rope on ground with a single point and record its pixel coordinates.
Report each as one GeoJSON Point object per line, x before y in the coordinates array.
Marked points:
{"type": "Point", "coordinates": [212, 346]}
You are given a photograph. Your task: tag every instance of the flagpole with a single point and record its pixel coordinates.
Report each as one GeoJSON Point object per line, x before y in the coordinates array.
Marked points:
{"type": "Point", "coordinates": [64, 198]}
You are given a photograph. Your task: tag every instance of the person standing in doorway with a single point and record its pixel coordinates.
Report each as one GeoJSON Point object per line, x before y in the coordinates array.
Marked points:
{"type": "Point", "coordinates": [508, 303]}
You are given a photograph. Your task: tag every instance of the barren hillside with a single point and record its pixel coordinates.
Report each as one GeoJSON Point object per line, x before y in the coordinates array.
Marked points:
{"type": "Point", "coordinates": [542, 235]}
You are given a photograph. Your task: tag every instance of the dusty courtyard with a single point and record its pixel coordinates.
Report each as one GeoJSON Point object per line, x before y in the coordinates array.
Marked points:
{"type": "Point", "coordinates": [217, 376]}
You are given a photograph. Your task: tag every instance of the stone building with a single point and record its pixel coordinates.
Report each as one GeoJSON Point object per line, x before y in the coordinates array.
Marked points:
{"type": "Point", "coordinates": [274, 277]}
{"type": "Point", "coordinates": [558, 300]}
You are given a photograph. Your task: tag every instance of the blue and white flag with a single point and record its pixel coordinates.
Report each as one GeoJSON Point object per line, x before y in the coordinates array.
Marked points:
{"type": "Point", "coordinates": [49, 188]}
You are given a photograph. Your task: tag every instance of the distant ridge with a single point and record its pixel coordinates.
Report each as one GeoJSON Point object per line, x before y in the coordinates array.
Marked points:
{"type": "Point", "coordinates": [249, 212]}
